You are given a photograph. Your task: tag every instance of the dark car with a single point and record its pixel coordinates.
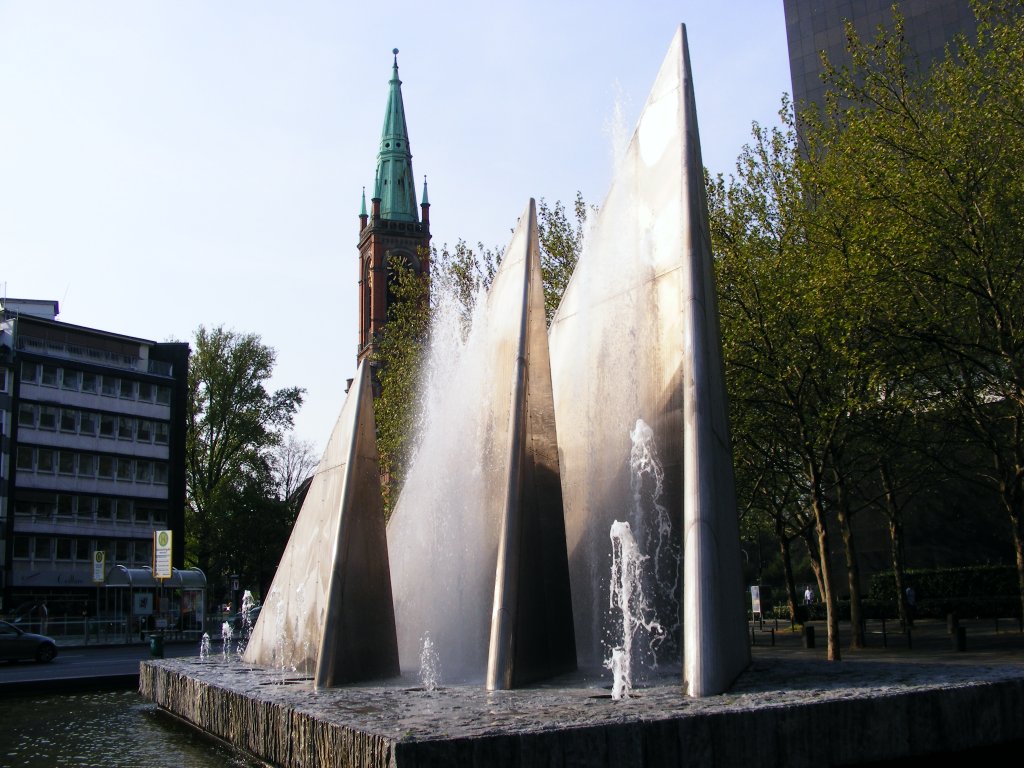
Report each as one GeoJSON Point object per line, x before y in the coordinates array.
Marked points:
{"type": "Point", "coordinates": [17, 644]}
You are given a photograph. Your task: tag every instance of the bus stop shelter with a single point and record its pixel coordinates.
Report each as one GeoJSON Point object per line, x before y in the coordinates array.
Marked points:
{"type": "Point", "coordinates": [142, 604]}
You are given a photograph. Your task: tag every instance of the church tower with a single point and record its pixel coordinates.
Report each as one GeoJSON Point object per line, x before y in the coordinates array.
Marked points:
{"type": "Point", "coordinates": [394, 230]}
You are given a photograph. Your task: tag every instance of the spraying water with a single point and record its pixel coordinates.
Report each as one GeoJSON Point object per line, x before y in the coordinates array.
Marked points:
{"type": "Point", "coordinates": [442, 538]}
{"type": "Point", "coordinates": [245, 631]}
{"type": "Point", "coordinates": [204, 647]}
{"type": "Point", "coordinates": [636, 619]}
{"type": "Point", "coordinates": [226, 634]}
{"type": "Point", "coordinates": [654, 528]}
{"type": "Point", "coordinates": [430, 665]}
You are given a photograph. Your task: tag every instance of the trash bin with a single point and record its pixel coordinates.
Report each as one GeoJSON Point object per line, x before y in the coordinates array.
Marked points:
{"type": "Point", "coordinates": [808, 636]}
{"type": "Point", "coordinates": [156, 645]}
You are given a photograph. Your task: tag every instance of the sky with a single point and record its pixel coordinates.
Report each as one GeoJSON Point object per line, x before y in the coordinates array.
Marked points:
{"type": "Point", "coordinates": [166, 164]}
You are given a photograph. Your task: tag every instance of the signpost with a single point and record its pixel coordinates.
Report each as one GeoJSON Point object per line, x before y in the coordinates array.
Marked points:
{"type": "Point", "coordinates": [162, 555]}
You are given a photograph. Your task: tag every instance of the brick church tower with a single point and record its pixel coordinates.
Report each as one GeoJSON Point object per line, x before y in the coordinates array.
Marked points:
{"type": "Point", "coordinates": [394, 230]}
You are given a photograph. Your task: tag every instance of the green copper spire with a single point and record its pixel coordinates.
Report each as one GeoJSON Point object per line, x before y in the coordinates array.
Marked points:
{"type": "Point", "coordinates": [362, 208]}
{"type": "Point", "coordinates": [394, 184]}
{"type": "Point", "coordinates": [425, 200]}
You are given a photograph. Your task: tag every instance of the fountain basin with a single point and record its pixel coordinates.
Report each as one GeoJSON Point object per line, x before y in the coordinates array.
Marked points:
{"type": "Point", "coordinates": [791, 712]}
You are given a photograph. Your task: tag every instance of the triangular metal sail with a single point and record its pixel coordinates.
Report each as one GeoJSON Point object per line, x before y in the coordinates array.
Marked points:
{"type": "Point", "coordinates": [477, 541]}
{"type": "Point", "coordinates": [636, 339]}
{"type": "Point", "coordinates": [531, 623]}
{"type": "Point", "coordinates": [329, 611]}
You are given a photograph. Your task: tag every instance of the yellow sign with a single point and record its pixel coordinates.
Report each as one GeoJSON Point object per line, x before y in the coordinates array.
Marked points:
{"type": "Point", "coordinates": [99, 566]}
{"type": "Point", "coordinates": [162, 568]}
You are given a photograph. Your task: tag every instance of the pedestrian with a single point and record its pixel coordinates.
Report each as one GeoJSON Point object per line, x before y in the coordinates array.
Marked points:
{"type": "Point", "coordinates": [911, 603]}
{"type": "Point", "coordinates": [44, 618]}
{"type": "Point", "coordinates": [808, 595]}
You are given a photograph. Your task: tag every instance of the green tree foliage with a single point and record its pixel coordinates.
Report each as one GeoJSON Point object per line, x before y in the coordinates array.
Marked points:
{"type": "Point", "coordinates": [932, 166]}
{"type": "Point", "coordinates": [561, 242]}
{"type": "Point", "coordinates": [234, 424]}
{"type": "Point", "coordinates": [872, 306]}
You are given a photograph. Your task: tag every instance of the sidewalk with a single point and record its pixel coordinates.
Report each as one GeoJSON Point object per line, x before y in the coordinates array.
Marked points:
{"type": "Point", "coordinates": [986, 642]}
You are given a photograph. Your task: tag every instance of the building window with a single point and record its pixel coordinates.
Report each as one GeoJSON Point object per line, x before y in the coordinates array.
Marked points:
{"type": "Point", "coordinates": [160, 473]}
{"type": "Point", "coordinates": [161, 432]}
{"type": "Point", "coordinates": [86, 507]}
{"type": "Point", "coordinates": [22, 547]}
{"type": "Point", "coordinates": [106, 425]}
{"type": "Point", "coordinates": [123, 511]}
{"type": "Point", "coordinates": [86, 465]}
{"type": "Point", "coordinates": [65, 506]}
{"type": "Point", "coordinates": [49, 377]}
{"type": "Point", "coordinates": [65, 549]}
{"type": "Point", "coordinates": [106, 467]}
{"type": "Point", "coordinates": [146, 391]}
{"type": "Point", "coordinates": [143, 471]}
{"type": "Point", "coordinates": [127, 389]}
{"type": "Point", "coordinates": [109, 387]}
{"type": "Point", "coordinates": [44, 460]}
{"type": "Point", "coordinates": [3, 379]}
{"type": "Point", "coordinates": [145, 433]}
{"type": "Point", "coordinates": [66, 463]}
{"type": "Point", "coordinates": [159, 516]}
{"type": "Point", "coordinates": [124, 427]}
{"type": "Point", "coordinates": [124, 469]}
{"type": "Point", "coordinates": [87, 423]}
{"type": "Point", "coordinates": [143, 552]}
{"type": "Point", "coordinates": [43, 548]}
{"type": "Point", "coordinates": [70, 379]}
{"type": "Point", "coordinates": [163, 395]}
{"type": "Point", "coordinates": [24, 458]}
{"type": "Point", "coordinates": [104, 508]}
{"type": "Point", "coordinates": [29, 372]}
{"type": "Point", "coordinates": [68, 420]}
{"type": "Point", "coordinates": [141, 515]}
{"type": "Point", "coordinates": [47, 417]}
{"type": "Point", "coordinates": [89, 382]}
{"type": "Point", "coordinates": [26, 415]}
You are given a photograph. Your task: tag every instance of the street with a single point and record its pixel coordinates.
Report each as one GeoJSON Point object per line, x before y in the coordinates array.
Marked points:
{"type": "Point", "coordinates": [75, 662]}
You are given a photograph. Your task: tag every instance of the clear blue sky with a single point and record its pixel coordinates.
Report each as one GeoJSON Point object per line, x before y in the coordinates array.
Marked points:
{"type": "Point", "coordinates": [171, 163]}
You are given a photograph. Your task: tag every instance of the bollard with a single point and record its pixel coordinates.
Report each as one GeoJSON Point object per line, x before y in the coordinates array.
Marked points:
{"type": "Point", "coordinates": [156, 645]}
{"type": "Point", "coordinates": [808, 636]}
{"type": "Point", "coordinates": [773, 638]}
{"type": "Point", "coordinates": [960, 639]}
{"type": "Point", "coordinates": [885, 639]}
{"type": "Point", "coordinates": [952, 622]}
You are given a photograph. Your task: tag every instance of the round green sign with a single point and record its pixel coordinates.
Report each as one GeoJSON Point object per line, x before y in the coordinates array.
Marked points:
{"type": "Point", "coordinates": [162, 538]}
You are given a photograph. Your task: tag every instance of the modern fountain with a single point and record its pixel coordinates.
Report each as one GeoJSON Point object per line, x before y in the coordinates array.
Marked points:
{"type": "Point", "coordinates": [510, 584]}
{"type": "Point", "coordinates": [537, 451]}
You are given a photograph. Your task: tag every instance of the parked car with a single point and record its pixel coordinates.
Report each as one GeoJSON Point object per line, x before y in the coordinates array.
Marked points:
{"type": "Point", "coordinates": [17, 644]}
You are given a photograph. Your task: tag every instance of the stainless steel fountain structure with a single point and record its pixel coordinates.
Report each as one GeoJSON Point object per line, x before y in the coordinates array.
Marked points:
{"type": "Point", "coordinates": [636, 336]}
{"type": "Point", "coordinates": [329, 611]}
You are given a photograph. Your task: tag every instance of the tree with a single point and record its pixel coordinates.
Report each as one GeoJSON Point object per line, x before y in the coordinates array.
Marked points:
{"type": "Point", "coordinates": [233, 425]}
{"type": "Point", "coordinates": [932, 161]}
{"type": "Point", "coordinates": [561, 243]}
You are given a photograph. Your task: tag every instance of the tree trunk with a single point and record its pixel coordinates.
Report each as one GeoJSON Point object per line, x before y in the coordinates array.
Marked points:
{"type": "Point", "coordinates": [895, 518]}
{"type": "Point", "coordinates": [852, 568]}
{"type": "Point", "coordinates": [828, 594]}
{"type": "Point", "coordinates": [810, 539]}
{"type": "Point", "coordinates": [787, 567]}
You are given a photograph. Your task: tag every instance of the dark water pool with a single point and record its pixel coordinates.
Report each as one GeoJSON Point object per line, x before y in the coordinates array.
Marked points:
{"type": "Point", "coordinates": [117, 728]}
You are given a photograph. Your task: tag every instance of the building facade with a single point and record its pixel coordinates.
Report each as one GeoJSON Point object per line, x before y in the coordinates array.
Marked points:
{"type": "Point", "coordinates": [816, 26]}
{"type": "Point", "coordinates": [395, 230]}
{"type": "Point", "coordinates": [93, 452]}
